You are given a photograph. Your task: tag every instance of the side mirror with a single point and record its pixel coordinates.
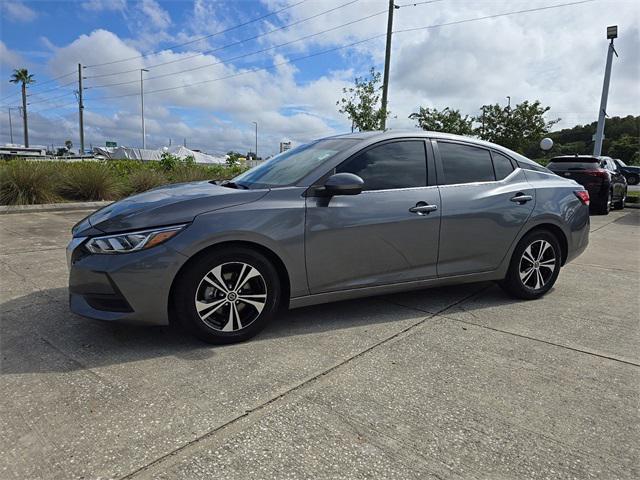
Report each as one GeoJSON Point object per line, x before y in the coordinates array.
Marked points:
{"type": "Point", "coordinates": [343, 184]}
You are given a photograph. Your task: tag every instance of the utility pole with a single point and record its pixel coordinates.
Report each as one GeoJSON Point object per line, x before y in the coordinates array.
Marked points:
{"type": "Point", "coordinates": [144, 136]}
{"type": "Point", "coordinates": [25, 126]}
{"type": "Point", "coordinates": [387, 60]}
{"type": "Point", "coordinates": [10, 123]}
{"type": "Point", "coordinates": [612, 33]}
{"type": "Point", "coordinates": [80, 109]}
{"type": "Point", "coordinates": [256, 152]}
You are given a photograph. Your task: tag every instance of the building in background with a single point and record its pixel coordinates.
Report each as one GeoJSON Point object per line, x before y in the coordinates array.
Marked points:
{"type": "Point", "coordinates": [284, 146]}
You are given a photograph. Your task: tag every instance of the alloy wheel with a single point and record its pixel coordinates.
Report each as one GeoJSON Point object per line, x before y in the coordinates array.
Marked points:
{"type": "Point", "coordinates": [231, 296]}
{"type": "Point", "coordinates": [537, 264]}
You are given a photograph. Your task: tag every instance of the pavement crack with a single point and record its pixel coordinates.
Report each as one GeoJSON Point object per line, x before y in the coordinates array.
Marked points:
{"type": "Point", "coordinates": [579, 350]}
{"type": "Point", "coordinates": [309, 381]}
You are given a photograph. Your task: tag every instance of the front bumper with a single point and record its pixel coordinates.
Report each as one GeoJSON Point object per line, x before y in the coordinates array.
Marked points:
{"type": "Point", "coordinates": [132, 287]}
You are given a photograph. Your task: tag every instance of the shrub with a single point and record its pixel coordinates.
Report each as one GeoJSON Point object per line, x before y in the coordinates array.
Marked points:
{"type": "Point", "coordinates": [24, 182]}
{"type": "Point", "coordinates": [190, 173]}
{"type": "Point", "coordinates": [142, 180]}
{"type": "Point", "coordinates": [89, 181]}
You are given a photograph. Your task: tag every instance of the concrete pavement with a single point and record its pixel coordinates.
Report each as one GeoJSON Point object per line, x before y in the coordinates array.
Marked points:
{"type": "Point", "coordinates": [458, 382]}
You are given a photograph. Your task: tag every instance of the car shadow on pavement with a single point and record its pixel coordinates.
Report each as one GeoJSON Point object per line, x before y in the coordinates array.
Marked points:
{"type": "Point", "coordinates": [38, 332]}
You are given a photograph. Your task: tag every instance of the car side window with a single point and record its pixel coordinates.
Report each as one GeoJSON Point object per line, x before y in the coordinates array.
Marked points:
{"type": "Point", "coordinates": [391, 165]}
{"type": "Point", "coordinates": [465, 164]}
{"type": "Point", "coordinates": [502, 165]}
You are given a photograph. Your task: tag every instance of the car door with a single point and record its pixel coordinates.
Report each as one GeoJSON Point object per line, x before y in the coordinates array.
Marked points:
{"type": "Point", "coordinates": [386, 234]}
{"type": "Point", "coordinates": [617, 179]}
{"type": "Point", "coordinates": [485, 201]}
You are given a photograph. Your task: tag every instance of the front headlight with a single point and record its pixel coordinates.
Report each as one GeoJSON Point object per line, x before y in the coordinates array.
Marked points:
{"type": "Point", "coordinates": [132, 241]}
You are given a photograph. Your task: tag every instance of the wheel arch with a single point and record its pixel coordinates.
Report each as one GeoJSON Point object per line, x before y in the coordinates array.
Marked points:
{"type": "Point", "coordinates": [283, 273]}
{"type": "Point", "coordinates": [557, 232]}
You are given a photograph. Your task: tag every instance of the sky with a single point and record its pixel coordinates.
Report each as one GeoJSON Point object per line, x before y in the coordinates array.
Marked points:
{"type": "Point", "coordinates": [215, 67]}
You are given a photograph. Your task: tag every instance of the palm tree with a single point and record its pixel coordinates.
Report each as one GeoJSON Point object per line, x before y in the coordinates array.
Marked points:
{"type": "Point", "coordinates": [22, 75]}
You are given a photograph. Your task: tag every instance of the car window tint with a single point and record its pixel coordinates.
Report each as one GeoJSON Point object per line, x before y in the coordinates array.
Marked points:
{"type": "Point", "coordinates": [465, 164]}
{"type": "Point", "coordinates": [502, 165]}
{"type": "Point", "coordinates": [392, 165]}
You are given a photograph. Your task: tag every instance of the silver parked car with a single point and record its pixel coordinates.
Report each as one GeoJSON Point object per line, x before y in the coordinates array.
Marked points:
{"type": "Point", "coordinates": [339, 218]}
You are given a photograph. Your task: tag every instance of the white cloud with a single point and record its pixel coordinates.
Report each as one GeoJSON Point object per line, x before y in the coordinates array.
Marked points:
{"type": "Point", "coordinates": [155, 14]}
{"type": "Point", "coordinates": [9, 58]}
{"type": "Point", "coordinates": [104, 5]}
{"type": "Point", "coordinates": [18, 11]}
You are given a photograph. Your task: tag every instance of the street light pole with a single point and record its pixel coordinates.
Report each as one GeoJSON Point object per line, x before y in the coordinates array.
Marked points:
{"type": "Point", "coordinates": [144, 136]}
{"type": "Point", "coordinates": [10, 123]}
{"type": "Point", "coordinates": [256, 152]}
{"type": "Point", "coordinates": [612, 33]}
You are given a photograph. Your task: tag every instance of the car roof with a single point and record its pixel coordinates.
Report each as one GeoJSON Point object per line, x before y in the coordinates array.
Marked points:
{"type": "Point", "coordinates": [391, 134]}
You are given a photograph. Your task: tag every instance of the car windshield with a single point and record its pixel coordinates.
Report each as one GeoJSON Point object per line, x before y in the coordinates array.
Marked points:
{"type": "Point", "coordinates": [293, 165]}
{"type": "Point", "coordinates": [572, 163]}
{"type": "Point", "coordinates": [620, 163]}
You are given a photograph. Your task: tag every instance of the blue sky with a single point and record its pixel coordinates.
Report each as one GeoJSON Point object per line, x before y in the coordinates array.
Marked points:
{"type": "Point", "coordinates": [556, 56]}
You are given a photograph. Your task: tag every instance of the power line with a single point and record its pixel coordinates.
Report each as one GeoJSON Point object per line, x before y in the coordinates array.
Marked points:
{"type": "Point", "coordinates": [199, 67]}
{"type": "Point", "coordinates": [486, 17]}
{"type": "Point", "coordinates": [75, 82]}
{"type": "Point", "coordinates": [223, 47]}
{"type": "Point", "coordinates": [51, 99]}
{"type": "Point", "coordinates": [235, 27]}
{"type": "Point", "coordinates": [294, 60]}
{"type": "Point", "coordinates": [36, 85]}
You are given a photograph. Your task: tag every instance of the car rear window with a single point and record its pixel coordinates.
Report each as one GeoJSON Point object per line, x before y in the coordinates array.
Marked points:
{"type": "Point", "coordinates": [573, 163]}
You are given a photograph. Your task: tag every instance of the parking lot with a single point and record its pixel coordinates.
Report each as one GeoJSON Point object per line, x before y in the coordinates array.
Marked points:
{"type": "Point", "coordinates": [456, 382]}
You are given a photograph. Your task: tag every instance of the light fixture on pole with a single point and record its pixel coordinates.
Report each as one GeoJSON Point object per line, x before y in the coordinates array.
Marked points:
{"type": "Point", "coordinates": [144, 136]}
{"type": "Point", "coordinates": [256, 152]}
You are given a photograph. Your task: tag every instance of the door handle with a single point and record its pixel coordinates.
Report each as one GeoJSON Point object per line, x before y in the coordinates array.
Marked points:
{"type": "Point", "coordinates": [520, 198]}
{"type": "Point", "coordinates": [422, 208]}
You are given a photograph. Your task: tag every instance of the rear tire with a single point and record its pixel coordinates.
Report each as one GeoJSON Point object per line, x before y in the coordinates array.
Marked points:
{"type": "Point", "coordinates": [228, 295]}
{"type": "Point", "coordinates": [603, 207]}
{"type": "Point", "coordinates": [534, 267]}
{"type": "Point", "coordinates": [633, 179]}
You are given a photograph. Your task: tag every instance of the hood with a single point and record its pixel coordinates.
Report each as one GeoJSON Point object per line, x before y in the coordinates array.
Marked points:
{"type": "Point", "coordinates": [167, 205]}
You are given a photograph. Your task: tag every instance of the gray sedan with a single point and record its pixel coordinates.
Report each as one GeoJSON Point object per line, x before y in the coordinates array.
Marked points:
{"type": "Point", "coordinates": [339, 218]}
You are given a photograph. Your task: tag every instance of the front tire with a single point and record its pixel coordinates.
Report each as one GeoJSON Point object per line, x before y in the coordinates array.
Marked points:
{"type": "Point", "coordinates": [227, 296]}
{"type": "Point", "coordinates": [620, 204]}
{"type": "Point", "coordinates": [633, 179]}
{"type": "Point", "coordinates": [534, 266]}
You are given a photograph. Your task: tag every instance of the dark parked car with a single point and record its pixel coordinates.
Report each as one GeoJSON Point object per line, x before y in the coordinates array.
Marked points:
{"type": "Point", "coordinates": [631, 173]}
{"type": "Point", "coordinates": [601, 177]}
{"type": "Point", "coordinates": [339, 218]}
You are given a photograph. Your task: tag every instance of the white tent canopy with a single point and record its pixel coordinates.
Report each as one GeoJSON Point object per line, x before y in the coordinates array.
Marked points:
{"type": "Point", "coordinates": [123, 153]}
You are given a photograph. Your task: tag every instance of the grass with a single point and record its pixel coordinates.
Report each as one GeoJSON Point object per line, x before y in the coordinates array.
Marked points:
{"type": "Point", "coordinates": [25, 182]}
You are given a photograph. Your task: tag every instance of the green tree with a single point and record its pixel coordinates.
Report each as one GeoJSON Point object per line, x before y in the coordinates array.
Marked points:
{"type": "Point", "coordinates": [626, 148]}
{"type": "Point", "coordinates": [447, 121]}
{"type": "Point", "coordinates": [233, 158]}
{"type": "Point", "coordinates": [361, 102]}
{"type": "Point", "coordinates": [22, 75]}
{"type": "Point", "coordinates": [514, 128]}
{"type": "Point", "coordinates": [68, 144]}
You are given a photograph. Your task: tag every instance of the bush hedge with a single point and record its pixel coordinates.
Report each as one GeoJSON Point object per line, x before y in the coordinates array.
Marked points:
{"type": "Point", "coordinates": [25, 182]}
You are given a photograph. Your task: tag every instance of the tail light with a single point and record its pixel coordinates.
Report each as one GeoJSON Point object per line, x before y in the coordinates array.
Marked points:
{"type": "Point", "coordinates": [597, 173]}
{"type": "Point", "coordinates": [583, 195]}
